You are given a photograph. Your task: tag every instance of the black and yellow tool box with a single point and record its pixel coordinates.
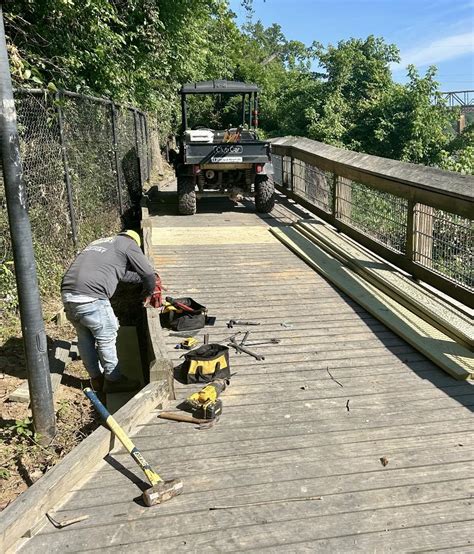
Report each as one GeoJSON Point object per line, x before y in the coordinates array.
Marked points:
{"type": "Point", "coordinates": [183, 314]}
{"type": "Point", "coordinates": [207, 363]}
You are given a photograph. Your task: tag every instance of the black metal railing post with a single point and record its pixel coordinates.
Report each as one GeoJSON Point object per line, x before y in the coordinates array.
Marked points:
{"type": "Point", "coordinates": [410, 236]}
{"type": "Point", "coordinates": [116, 157]}
{"type": "Point", "coordinates": [292, 173]}
{"type": "Point", "coordinates": [148, 146]}
{"type": "Point", "coordinates": [34, 336]}
{"type": "Point", "coordinates": [67, 176]}
{"type": "Point", "coordinates": [137, 147]}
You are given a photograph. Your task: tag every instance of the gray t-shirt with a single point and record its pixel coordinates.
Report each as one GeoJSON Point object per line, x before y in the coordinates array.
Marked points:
{"type": "Point", "coordinates": [97, 270]}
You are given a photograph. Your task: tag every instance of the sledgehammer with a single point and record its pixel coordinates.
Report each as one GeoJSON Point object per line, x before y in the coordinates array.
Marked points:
{"type": "Point", "coordinates": [160, 490]}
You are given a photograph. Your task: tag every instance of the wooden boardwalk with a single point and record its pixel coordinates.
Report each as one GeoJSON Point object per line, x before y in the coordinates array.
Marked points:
{"type": "Point", "coordinates": [314, 419]}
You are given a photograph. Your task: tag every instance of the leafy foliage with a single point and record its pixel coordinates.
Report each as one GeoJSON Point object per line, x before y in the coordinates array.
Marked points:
{"type": "Point", "coordinates": [459, 153]}
{"type": "Point", "coordinates": [141, 51]}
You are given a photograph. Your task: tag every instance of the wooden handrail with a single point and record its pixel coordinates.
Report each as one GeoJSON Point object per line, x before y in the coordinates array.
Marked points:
{"type": "Point", "coordinates": [445, 190]}
{"type": "Point", "coordinates": [423, 188]}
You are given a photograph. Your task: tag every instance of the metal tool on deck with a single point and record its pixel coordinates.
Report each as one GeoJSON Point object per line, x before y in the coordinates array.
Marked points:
{"type": "Point", "coordinates": [160, 490]}
{"type": "Point", "coordinates": [241, 348]}
{"type": "Point", "coordinates": [263, 341]}
{"type": "Point", "coordinates": [233, 322]}
{"type": "Point", "coordinates": [184, 418]}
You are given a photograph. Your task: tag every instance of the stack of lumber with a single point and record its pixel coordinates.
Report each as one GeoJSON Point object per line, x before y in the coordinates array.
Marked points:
{"type": "Point", "coordinates": [444, 333]}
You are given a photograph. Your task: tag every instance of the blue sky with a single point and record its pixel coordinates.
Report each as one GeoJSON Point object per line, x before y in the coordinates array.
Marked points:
{"type": "Point", "coordinates": [427, 32]}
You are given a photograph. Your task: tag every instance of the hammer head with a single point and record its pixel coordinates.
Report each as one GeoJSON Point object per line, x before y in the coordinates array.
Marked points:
{"type": "Point", "coordinates": [162, 491]}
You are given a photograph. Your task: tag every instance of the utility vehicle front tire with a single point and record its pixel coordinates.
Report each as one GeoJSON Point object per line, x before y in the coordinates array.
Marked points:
{"type": "Point", "coordinates": [264, 194]}
{"type": "Point", "coordinates": [186, 196]}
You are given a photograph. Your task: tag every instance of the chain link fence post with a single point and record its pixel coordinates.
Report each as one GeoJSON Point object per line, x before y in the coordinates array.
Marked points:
{"type": "Point", "coordinates": [67, 177]}
{"type": "Point", "coordinates": [148, 146]}
{"type": "Point", "coordinates": [116, 156]}
{"type": "Point", "coordinates": [137, 147]}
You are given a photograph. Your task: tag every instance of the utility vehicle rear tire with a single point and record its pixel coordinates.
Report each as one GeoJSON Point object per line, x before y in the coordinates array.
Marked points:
{"type": "Point", "coordinates": [186, 196]}
{"type": "Point", "coordinates": [264, 194]}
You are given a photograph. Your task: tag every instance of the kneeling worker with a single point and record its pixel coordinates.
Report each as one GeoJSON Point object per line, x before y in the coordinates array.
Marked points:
{"type": "Point", "coordinates": [86, 288]}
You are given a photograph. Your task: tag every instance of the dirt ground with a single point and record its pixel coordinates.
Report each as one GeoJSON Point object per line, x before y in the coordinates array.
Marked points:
{"type": "Point", "coordinates": [23, 460]}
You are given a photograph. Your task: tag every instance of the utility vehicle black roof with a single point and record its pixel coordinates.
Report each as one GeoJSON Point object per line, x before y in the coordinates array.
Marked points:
{"type": "Point", "coordinates": [217, 86]}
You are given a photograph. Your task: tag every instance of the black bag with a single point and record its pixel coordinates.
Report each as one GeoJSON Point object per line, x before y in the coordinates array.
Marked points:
{"type": "Point", "coordinates": [207, 363]}
{"type": "Point", "coordinates": [183, 320]}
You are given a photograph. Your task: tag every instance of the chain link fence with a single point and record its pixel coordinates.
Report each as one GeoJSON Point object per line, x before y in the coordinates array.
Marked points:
{"type": "Point", "coordinates": [442, 242]}
{"type": "Point", "coordinates": [85, 162]}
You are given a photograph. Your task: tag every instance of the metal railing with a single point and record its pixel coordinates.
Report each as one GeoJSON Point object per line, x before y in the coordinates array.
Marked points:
{"type": "Point", "coordinates": [85, 161]}
{"type": "Point", "coordinates": [418, 218]}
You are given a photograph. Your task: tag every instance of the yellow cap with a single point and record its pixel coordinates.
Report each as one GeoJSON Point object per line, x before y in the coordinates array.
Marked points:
{"type": "Point", "coordinates": [133, 235]}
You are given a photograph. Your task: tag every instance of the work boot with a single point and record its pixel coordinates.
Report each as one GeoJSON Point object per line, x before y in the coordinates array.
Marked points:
{"type": "Point", "coordinates": [122, 384]}
{"type": "Point", "coordinates": [97, 383]}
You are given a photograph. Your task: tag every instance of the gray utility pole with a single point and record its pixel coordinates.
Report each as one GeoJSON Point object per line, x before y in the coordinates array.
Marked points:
{"type": "Point", "coordinates": [34, 336]}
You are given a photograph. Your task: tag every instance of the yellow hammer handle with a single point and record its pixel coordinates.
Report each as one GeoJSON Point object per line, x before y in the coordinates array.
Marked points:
{"type": "Point", "coordinates": [151, 475]}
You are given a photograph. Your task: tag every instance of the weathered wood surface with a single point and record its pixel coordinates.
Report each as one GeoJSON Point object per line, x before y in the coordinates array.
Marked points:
{"type": "Point", "coordinates": [286, 432]}
{"type": "Point", "coordinates": [29, 509]}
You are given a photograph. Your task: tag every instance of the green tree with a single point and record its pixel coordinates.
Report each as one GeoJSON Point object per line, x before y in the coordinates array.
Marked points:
{"type": "Point", "coordinates": [406, 123]}
{"type": "Point", "coordinates": [138, 51]}
{"type": "Point", "coordinates": [459, 153]}
{"type": "Point", "coordinates": [356, 75]}
{"type": "Point", "coordinates": [360, 106]}
{"type": "Point", "coordinates": [281, 67]}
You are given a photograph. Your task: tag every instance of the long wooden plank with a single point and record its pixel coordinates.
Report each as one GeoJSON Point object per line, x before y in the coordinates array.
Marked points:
{"type": "Point", "coordinates": [360, 420]}
{"type": "Point", "coordinates": [261, 484]}
{"type": "Point", "coordinates": [293, 448]}
{"type": "Point", "coordinates": [312, 391]}
{"type": "Point", "coordinates": [432, 452]}
{"type": "Point", "coordinates": [440, 348]}
{"type": "Point", "coordinates": [308, 432]}
{"type": "Point", "coordinates": [416, 298]}
{"type": "Point", "coordinates": [237, 235]}
{"type": "Point", "coordinates": [419, 538]}
{"type": "Point", "coordinates": [436, 461]}
{"type": "Point", "coordinates": [298, 413]}
{"type": "Point", "coordinates": [245, 527]}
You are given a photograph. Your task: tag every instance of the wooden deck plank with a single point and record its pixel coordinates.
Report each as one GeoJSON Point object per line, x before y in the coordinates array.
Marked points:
{"type": "Point", "coordinates": [245, 527]}
{"type": "Point", "coordinates": [277, 441]}
{"type": "Point", "coordinates": [349, 474]}
{"type": "Point", "coordinates": [224, 479]}
{"type": "Point", "coordinates": [404, 462]}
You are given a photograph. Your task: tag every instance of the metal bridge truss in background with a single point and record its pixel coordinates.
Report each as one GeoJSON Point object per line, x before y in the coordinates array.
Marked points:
{"type": "Point", "coordinates": [462, 98]}
{"type": "Point", "coordinates": [418, 218]}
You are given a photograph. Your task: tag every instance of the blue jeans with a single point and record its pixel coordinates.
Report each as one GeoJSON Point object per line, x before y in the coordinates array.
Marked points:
{"type": "Point", "coordinates": [96, 327]}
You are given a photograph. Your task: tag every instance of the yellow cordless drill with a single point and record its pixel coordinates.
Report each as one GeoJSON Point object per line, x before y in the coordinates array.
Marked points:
{"type": "Point", "coordinates": [205, 403]}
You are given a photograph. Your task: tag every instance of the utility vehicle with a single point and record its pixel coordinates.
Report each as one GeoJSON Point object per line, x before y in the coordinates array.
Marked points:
{"type": "Point", "coordinates": [219, 149]}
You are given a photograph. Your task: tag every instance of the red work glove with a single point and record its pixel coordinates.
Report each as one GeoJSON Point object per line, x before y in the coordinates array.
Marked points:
{"type": "Point", "coordinates": [156, 298]}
